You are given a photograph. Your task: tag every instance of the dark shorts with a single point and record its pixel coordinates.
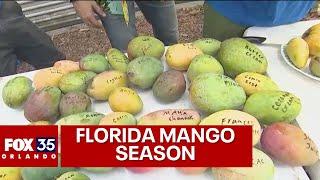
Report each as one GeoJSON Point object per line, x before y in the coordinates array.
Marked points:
{"type": "Point", "coordinates": [21, 39]}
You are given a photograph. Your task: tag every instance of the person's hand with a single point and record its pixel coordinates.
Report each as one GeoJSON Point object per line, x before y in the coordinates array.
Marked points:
{"type": "Point", "coordinates": [87, 10]}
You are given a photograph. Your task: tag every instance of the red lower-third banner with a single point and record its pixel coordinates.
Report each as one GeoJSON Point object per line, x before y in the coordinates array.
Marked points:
{"type": "Point", "coordinates": [156, 146]}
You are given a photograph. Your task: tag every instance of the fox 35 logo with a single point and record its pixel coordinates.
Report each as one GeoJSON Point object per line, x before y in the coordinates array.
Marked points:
{"type": "Point", "coordinates": [30, 145]}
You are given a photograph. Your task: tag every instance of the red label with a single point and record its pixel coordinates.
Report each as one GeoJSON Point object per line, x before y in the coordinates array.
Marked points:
{"type": "Point", "coordinates": [156, 146]}
{"type": "Point", "coordinates": [28, 146]}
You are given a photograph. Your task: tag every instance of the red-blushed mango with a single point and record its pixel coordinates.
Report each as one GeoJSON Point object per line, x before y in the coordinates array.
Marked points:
{"type": "Point", "coordinates": [289, 144]}
{"type": "Point", "coordinates": [262, 169]}
{"type": "Point", "coordinates": [48, 77]}
{"type": "Point", "coordinates": [273, 106]}
{"type": "Point", "coordinates": [118, 118]}
{"type": "Point", "coordinates": [192, 170]}
{"type": "Point", "coordinates": [140, 170]}
{"type": "Point", "coordinates": [16, 91]}
{"type": "Point", "coordinates": [145, 46]}
{"type": "Point", "coordinates": [171, 117]}
{"type": "Point", "coordinates": [253, 82]}
{"type": "Point", "coordinates": [123, 99]}
{"type": "Point", "coordinates": [170, 86]}
{"type": "Point", "coordinates": [67, 65]}
{"type": "Point", "coordinates": [179, 56]}
{"type": "Point", "coordinates": [210, 92]}
{"type": "Point", "coordinates": [104, 83]}
{"type": "Point", "coordinates": [73, 103]}
{"type": "Point", "coordinates": [10, 173]}
{"type": "Point", "coordinates": [43, 105]}
{"type": "Point", "coordinates": [233, 118]}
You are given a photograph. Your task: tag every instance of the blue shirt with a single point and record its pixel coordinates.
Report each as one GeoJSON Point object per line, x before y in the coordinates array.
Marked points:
{"type": "Point", "coordinates": [262, 13]}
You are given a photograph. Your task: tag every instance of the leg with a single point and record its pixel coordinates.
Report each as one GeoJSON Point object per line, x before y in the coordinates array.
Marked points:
{"type": "Point", "coordinates": [118, 32]}
{"type": "Point", "coordinates": [163, 18]}
{"type": "Point", "coordinates": [218, 27]}
{"type": "Point", "coordinates": [29, 42]}
{"type": "Point", "coordinates": [8, 60]}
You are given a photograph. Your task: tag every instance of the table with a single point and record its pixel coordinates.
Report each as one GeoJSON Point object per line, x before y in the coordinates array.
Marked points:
{"type": "Point", "coordinates": [307, 89]}
{"type": "Point", "coordinates": [15, 117]}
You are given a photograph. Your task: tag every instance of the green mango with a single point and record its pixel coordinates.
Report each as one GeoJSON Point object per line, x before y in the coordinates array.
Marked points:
{"type": "Point", "coordinates": [74, 175]}
{"type": "Point", "coordinates": [145, 46]}
{"type": "Point", "coordinates": [117, 60]}
{"type": "Point", "coordinates": [208, 45]}
{"type": "Point", "coordinates": [238, 55]}
{"type": "Point", "coordinates": [16, 91]}
{"type": "Point", "coordinates": [95, 62]}
{"type": "Point", "coordinates": [273, 106]}
{"type": "Point", "coordinates": [77, 81]}
{"type": "Point", "coordinates": [84, 118]}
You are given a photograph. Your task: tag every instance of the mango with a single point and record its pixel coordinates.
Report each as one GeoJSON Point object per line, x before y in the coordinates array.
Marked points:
{"type": "Point", "coordinates": [117, 60]}
{"type": "Point", "coordinates": [10, 173]}
{"type": "Point", "coordinates": [73, 103]}
{"type": "Point", "coordinates": [43, 173]}
{"type": "Point", "coordinates": [16, 91]}
{"type": "Point", "coordinates": [203, 64]}
{"type": "Point", "coordinates": [103, 84]}
{"type": "Point", "coordinates": [273, 106]}
{"type": "Point", "coordinates": [84, 118]}
{"type": "Point", "coordinates": [40, 123]}
{"type": "Point", "coordinates": [212, 92]}
{"type": "Point", "coordinates": [315, 29]}
{"type": "Point", "coordinates": [145, 46]}
{"type": "Point", "coordinates": [313, 42]}
{"type": "Point", "coordinates": [118, 118]}
{"type": "Point", "coordinates": [67, 65]}
{"type": "Point", "coordinates": [233, 118]}
{"type": "Point", "coordinates": [208, 46]}
{"type": "Point", "coordinates": [94, 62]}
{"type": "Point", "coordinates": [238, 55]}
{"type": "Point", "coordinates": [254, 82]}
{"type": "Point", "coordinates": [179, 56]}
{"type": "Point", "coordinates": [298, 51]}
{"type": "Point", "coordinates": [262, 169]}
{"type": "Point", "coordinates": [77, 81]}
{"type": "Point", "coordinates": [43, 105]}
{"type": "Point", "coordinates": [192, 170]}
{"type": "Point", "coordinates": [97, 169]}
{"type": "Point", "coordinates": [48, 77]}
{"type": "Point", "coordinates": [171, 117]}
{"type": "Point", "coordinates": [169, 86]}
{"type": "Point", "coordinates": [289, 144]}
{"type": "Point", "coordinates": [73, 175]}
{"type": "Point", "coordinates": [143, 71]}
{"type": "Point", "coordinates": [140, 170]}
{"type": "Point", "coordinates": [314, 66]}
{"type": "Point", "coordinates": [124, 99]}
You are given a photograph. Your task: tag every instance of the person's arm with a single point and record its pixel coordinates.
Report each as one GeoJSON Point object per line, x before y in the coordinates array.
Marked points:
{"type": "Point", "coordinates": [88, 10]}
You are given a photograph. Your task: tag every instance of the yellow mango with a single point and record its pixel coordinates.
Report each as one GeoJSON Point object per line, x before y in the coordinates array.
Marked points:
{"type": "Point", "coordinates": [179, 56]}
{"type": "Point", "coordinates": [48, 77]}
{"type": "Point", "coordinates": [118, 118]}
{"type": "Point", "coordinates": [254, 82]}
{"type": "Point", "coordinates": [233, 118]}
{"type": "Point", "coordinates": [313, 42]}
{"type": "Point", "coordinates": [104, 83]}
{"type": "Point", "coordinates": [67, 65]}
{"type": "Point", "coordinates": [298, 52]}
{"type": "Point", "coordinates": [10, 173]}
{"type": "Point", "coordinates": [124, 99]}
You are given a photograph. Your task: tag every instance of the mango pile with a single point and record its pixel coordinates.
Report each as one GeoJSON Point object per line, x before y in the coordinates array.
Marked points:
{"type": "Point", "coordinates": [306, 50]}
{"type": "Point", "coordinates": [228, 85]}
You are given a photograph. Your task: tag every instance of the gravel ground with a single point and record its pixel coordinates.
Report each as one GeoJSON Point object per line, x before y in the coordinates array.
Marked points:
{"type": "Point", "coordinates": [78, 42]}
